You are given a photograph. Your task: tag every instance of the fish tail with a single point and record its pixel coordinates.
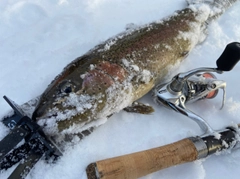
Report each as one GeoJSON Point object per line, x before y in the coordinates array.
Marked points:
{"type": "Point", "coordinates": [215, 3]}
{"type": "Point", "coordinates": [218, 7]}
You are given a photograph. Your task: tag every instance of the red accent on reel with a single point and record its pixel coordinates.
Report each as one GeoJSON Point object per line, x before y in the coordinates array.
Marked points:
{"type": "Point", "coordinates": [212, 94]}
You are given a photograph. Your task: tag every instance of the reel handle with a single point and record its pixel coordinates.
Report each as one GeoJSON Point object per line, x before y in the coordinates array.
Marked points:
{"type": "Point", "coordinates": [142, 163]}
{"type": "Point", "coordinates": [229, 57]}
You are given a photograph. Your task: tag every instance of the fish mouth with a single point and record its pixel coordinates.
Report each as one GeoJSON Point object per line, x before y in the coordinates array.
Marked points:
{"type": "Point", "coordinates": [38, 114]}
{"type": "Point", "coordinates": [48, 109]}
{"type": "Point", "coordinates": [42, 110]}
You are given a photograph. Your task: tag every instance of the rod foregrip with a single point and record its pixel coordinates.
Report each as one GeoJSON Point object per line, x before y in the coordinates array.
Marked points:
{"type": "Point", "coordinates": [142, 163]}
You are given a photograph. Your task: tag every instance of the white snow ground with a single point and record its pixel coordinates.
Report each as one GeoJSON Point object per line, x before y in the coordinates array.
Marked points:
{"type": "Point", "coordinates": [39, 37]}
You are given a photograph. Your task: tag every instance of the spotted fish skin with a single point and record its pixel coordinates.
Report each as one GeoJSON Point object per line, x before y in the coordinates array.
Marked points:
{"type": "Point", "coordinates": [121, 70]}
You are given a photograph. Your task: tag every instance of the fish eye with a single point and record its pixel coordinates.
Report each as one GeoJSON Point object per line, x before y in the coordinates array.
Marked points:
{"type": "Point", "coordinates": [66, 87]}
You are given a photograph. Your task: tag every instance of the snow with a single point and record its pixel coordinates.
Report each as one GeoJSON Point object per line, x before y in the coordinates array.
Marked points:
{"type": "Point", "coordinates": [39, 38]}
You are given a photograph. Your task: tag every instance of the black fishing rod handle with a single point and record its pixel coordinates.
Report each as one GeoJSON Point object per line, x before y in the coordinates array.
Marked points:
{"type": "Point", "coordinates": [229, 57]}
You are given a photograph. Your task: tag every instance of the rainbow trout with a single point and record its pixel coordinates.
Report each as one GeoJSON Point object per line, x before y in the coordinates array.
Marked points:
{"type": "Point", "coordinates": [121, 70]}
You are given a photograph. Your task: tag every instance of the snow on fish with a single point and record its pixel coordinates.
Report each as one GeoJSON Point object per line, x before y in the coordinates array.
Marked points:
{"type": "Point", "coordinates": [121, 70]}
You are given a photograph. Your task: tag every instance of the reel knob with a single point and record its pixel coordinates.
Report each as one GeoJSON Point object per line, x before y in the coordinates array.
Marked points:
{"type": "Point", "coordinates": [229, 57]}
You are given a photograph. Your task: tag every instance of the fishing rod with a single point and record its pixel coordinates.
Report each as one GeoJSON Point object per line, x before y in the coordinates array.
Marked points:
{"type": "Point", "coordinates": [184, 88]}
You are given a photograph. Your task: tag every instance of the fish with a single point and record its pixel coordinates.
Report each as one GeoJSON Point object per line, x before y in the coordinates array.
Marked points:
{"type": "Point", "coordinates": [119, 71]}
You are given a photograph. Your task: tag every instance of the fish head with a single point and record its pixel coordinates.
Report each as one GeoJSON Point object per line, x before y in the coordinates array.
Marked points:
{"type": "Point", "coordinates": [60, 89]}
{"type": "Point", "coordinates": [78, 87]}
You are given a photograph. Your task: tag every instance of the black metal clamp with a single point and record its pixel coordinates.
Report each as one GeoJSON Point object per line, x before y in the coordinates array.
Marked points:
{"type": "Point", "coordinates": [26, 140]}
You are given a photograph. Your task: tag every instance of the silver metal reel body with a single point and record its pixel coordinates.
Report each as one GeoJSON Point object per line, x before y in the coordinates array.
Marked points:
{"type": "Point", "coordinates": [190, 87]}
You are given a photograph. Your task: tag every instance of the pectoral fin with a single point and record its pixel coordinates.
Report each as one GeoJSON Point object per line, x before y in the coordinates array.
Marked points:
{"type": "Point", "coordinates": [141, 108]}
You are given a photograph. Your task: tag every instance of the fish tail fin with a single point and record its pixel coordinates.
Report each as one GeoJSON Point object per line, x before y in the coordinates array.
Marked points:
{"type": "Point", "coordinates": [215, 3]}
{"type": "Point", "coordinates": [218, 6]}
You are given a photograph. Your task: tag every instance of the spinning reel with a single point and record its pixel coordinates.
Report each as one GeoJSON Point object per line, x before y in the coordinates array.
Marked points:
{"type": "Point", "coordinates": [197, 84]}
{"type": "Point", "coordinates": [183, 88]}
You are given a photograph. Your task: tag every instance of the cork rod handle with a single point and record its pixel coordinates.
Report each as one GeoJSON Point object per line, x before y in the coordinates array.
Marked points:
{"type": "Point", "coordinates": [142, 163]}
